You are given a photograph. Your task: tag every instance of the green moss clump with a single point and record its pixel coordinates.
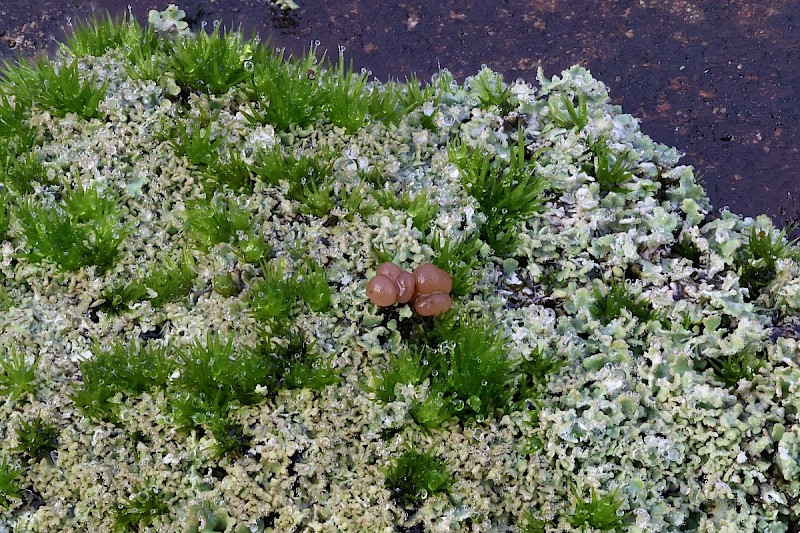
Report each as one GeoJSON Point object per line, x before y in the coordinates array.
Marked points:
{"type": "Point", "coordinates": [598, 512]}
{"type": "Point", "coordinates": [415, 476]}
{"type": "Point", "coordinates": [140, 509]}
{"type": "Point", "coordinates": [507, 192]}
{"type": "Point", "coordinates": [37, 439]}
{"type": "Point", "coordinates": [567, 115]}
{"type": "Point", "coordinates": [82, 230]}
{"type": "Point", "coordinates": [757, 260]}
{"type": "Point", "coordinates": [210, 62]}
{"type": "Point", "coordinates": [17, 377]}
{"type": "Point", "coordinates": [9, 483]}
{"type": "Point", "coordinates": [609, 304]}
{"type": "Point", "coordinates": [118, 369]}
{"type": "Point", "coordinates": [610, 171]}
{"type": "Point", "coordinates": [224, 220]}
{"type": "Point", "coordinates": [60, 91]}
{"type": "Point", "coordinates": [169, 282]}
{"type": "Point", "coordinates": [284, 92]}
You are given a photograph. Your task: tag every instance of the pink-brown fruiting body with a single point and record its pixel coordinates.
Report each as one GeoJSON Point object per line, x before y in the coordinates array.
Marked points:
{"type": "Point", "coordinates": [382, 291]}
{"type": "Point", "coordinates": [432, 304]}
{"type": "Point", "coordinates": [427, 288]}
{"type": "Point", "coordinates": [390, 270]}
{"type": "Point", "coordinates": [406, 285]}
{"type": "Point", "coordinates": [431, 278]}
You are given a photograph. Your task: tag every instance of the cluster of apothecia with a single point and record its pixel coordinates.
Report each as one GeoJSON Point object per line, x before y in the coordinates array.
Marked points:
{"type": "Point", "coordinates": [427, 288]}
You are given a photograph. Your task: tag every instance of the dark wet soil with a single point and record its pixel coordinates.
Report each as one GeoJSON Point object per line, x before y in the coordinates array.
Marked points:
{"type": "Point", "coordinates": [718, 79]}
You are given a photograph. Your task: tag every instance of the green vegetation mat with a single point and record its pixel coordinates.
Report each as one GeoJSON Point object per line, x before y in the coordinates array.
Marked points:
{"type": "Point", "coordinates": [187, 226]}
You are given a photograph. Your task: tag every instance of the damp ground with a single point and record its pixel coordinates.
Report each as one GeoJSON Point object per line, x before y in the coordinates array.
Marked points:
{"type": "Point", "coordinates": [716, 79]}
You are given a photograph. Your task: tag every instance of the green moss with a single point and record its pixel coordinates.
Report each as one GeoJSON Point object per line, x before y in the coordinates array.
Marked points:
{"type": "Point", "coordinates": [492, 91]}
{"type": "Point", "coordinates": [471, 371]}
{"type": "Point", "coordinates": [230, 172]}
{"type": "Point", "coordinates": [214, 377]}
{"type": "Point", "coordinates": [742, 365]}
{"type": "Point", "coordinates": [284, 92]}
{"type": "Point", "coordinates": [598, 512]}
{"type": "Point", "coordinates": [507, 192]}
{"type": "Point", "coordinates": [230, 440]}
{"type": "Point", "coordinates": [610, 171]}
{"type": "Point", "coordinates": [37, 439]}
{"type": "Point", "coordinates": [272, 296]}
{"type": "Point", "coordinates": [313, 288]}
{"type": "Point", "coordinates": [17, 377]}
{"type": "Point", "coordinates": [14, 127]}
{"type": "Point", "coordinates": [386, 103]}
{"type": "Point", "coordinates": [83, 230]}
{"type": "Point", "coordinates": [345, 97]}
{"type": "Point", "coordinates": [5, 213]}
{"type": "Point", "coordinates": [21, 172]}
{"type": "Point", "coordinates": [59, 90]}
{"type": "Point", "coordinates": [436, 408]}
{"type": "Point", "coordinates": [418, 206]}
{"type": "Point", "coordinates": [224, 220]}
{"type": "Point", "coordinates": [478, 370]}
{"type": "Point", "coordinates": [296, 363]}
{"type": "Point", "coordinates": [458, 257]}
{"type": "Point", "coordinates": [139, 510]}
{"type": "Point", "coordinates": [97, 35]}
{"type": "Point", "coordinates": [531, 524]}
{"type": "Point", "coordinates": [121, 369]}
{"type": "Point", "coordinates": [169, 282]}
{"type": "Point", "coordinates": [404, 367]}
{"type": "Point", "coordinates": [413, 476]}
{"type": "Point", "coordinates": [609, 304]}
{"type": "Point", "coordinates": [210, 62]}
{"type": "Point", "coordinates": [195, 142]}
{"type": "Point", "coordinates": [757, 260]}
{"type": "Point", "coordinates": [356, 199]}
{"type": "Point", "coordinates": [9, 483]}
{"type": "Point", "coordinates": [309, 177]}
{"type": "Point", "coordinates": [426, 98]}
{"type": "Point", "coordinates": [567, 115]}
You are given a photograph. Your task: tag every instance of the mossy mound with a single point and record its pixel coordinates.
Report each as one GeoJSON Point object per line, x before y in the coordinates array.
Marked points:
{"type": "Point", "coordinates": [188, 225]}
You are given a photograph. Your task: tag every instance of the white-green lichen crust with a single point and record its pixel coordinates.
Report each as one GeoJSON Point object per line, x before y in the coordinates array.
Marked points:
{"type": "Point", "coordinates": [684, 451]}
